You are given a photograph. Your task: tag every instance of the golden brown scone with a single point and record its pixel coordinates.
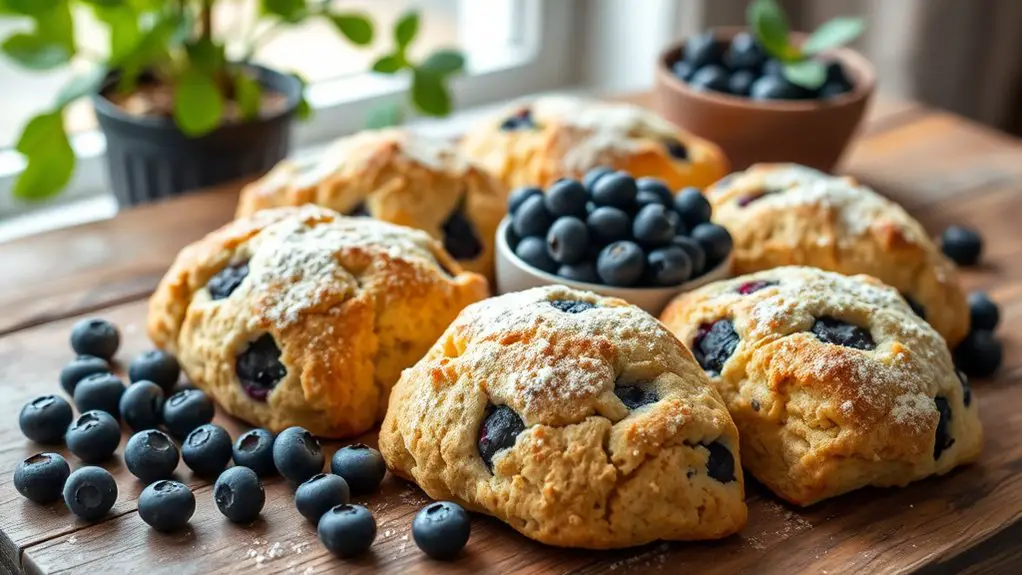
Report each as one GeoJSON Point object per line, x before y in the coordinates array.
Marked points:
{"type": "Point", "coordinates": [535, 143]}
{"type": "Point", "coordinates": [578, 420]}
{"type": "Point", "coordinates": [300, 316]}
{"type": "Point", "coordinates": [786, 214]}
{"type": "Point", "coordinates": [833, 381]}
{"type": "Point", "coordinates": [398, 177]}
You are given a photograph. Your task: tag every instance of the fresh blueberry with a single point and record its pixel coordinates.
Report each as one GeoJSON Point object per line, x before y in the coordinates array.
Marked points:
{"type": "Point", "coordinates": [79, 368]}
{"type": "Point", "coordinates": [607, 225]}
{"type": "Point", "coordinates": [254, 449]}
{"type": "Point", "coordinates": [966, 388]}
{"type": "Point", "coordinates": [593, 175]}
{"type": "Point", "coordinates": [100, 391]}
{"type": "Point", "coordinates": [740, 83]}
{"type": "Point", "coordinates": [533, 252]}
{"type": "Point", "coordinates": [45, 419]}
{"type": "Point", "coordinates": [259, 368]}
{"type": "Point", "coordinates": [983, 312]}
{"type": "Point", "coordinates": [207, 450]}
{"type": "Point", "coordinates": [616, 190]}
{"type": "Point", "coordinates": [520, 120]}
{"type": "Point", "coordinates": [714, 344]}
{"type": "Point", "coordinates": [682, 70]}
{"type": "Point", "coordinates": [655, 225]}
{"type": "Point", "coordinates": [695, 253]}
{"type": "Point", "coordinates": [676, 149]}
{"type": "Point", "coordinates": [571, 305]}
{"type": "Point", "coordinates": [584, 272]}
{"type": "Point", "coordinates": [532, 218]}
{"type": "Point", "coordinates": [151, 455]}
{"type": "Point", "coordinates": [658, 187]}
{"type": "Point", "coordinates": [186, 410]}
{"type": "Point", "coordinates": [499, 430]}
{"type": "Point", "coordinates": [141, 405]}
{"type": "Point", "coordinates": [460, 237]}
{"type": "Point", "coordinates": [645, 198]}
{"type": "Point", "coordinates": [755, 285]}
{"type": "Point", "coordinates": [156, 366]}
{"type": "Point", "coordinates": [836, 74]}
{"type": "Point", "coordinates": [715, 241]}
{"type": "Point", "coordinates": [441, 529]}
{"type": "Point", "coordinates": [832, 90]}
{"type": "Point", "coordinates": [347, 530]}
{"type": "Point", "coordinates": [239, 494]}
{"type": "Point", "coordinates": [963, 245]}
{"type": "Point", "coordinates": [223, 284]}
{"type": "Point", "coordinates": [518, 197]}
{"type": "Point", "coordinates": [775, 87]}
{"type": "Point", "coordinates": [166, 505]}
{"type": "Point", "coordinates": [93, 437]}
{"type": "Point", "coordinates": [745, 53]}
{"type": "Point", "coordinates": [710, 77]}
{"type": "Point", "coordinates": [634, 396]}
{"type": "Point", "coordinates": [360, 465]}
{"type": "Point", "coordinates": [773, 67]}
{"type": "Point", "coordinates": [942, 439]}
{"type": "Point", "coordinates": [693, 207]}
{"type": "Point", "coordinates": [979, 354]}
{"type": "Point", "coordinates": [566, 197]}
{"type": "Point", "coordinates": [568, 240]}
{"type": "Point", "coordinates": [90, 492]}
{"type": "Point", "coordinates": [917, 308]}
{"type": "Point", "coordinates": [720, 465]}
{"type": "Point", "coordinates": [96, 337]}
{"type": "Point", "coordinates": [297, 454]}
{"type": "Point", "coordinates": [319, 494]}
{"type": "Point", "coordinates": [834, 331]}
{"type": "Point", "coordinates": [41, 477]}
{"type": "Point", "coordinates": [621, 264]}
{"type": "Point", "coordinates": [703, 49]}
{"type": "Point", "coordinates": [668, 266]}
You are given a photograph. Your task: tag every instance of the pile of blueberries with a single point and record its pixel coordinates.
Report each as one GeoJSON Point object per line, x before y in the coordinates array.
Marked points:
{"type": "Point", "coordinates": [743, 68]}
{"type": "Point", "coordinates": [615, 230]}
{"type": "Point", "coordinates": [152, 453]}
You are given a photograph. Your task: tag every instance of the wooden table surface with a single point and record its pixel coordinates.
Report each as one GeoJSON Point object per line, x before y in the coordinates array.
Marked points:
{"type": "Point", "coordinates": [942, 168]}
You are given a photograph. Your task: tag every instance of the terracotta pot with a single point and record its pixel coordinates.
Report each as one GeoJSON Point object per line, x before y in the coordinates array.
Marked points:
{"type": "Point", "coordinates": [810, 132]}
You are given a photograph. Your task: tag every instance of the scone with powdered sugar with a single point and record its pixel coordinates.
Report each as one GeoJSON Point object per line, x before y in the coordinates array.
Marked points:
{"type": "Point", "coordinates": [577, 419]}
{"type": "Point", "coordinates": [833, 381]}
{"type": "Point", "coordinates": [301, 316]}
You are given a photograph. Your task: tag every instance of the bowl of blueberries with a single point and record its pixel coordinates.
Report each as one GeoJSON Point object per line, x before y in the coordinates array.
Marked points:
{"type": "Point", "coordinates": [613, 234]}
{"type": "Point", "coordinates": [725, 86]}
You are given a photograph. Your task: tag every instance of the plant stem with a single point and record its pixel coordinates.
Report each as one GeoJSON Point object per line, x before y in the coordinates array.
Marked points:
{"type": "Point", "coordinates": [207, 19]}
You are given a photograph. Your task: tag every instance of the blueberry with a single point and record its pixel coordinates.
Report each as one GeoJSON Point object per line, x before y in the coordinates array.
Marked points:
{"type": "Point", "coordinates": [532, 218]}
{"type": "Point", "coordinates": [41, 477]}
{"type": "Point", "coordinates": [832, 90]}
{"type": "Point", "coordinates": [694, 251]}
{"type": "Point", "coordinates": [254, 449]}
{"type": "Point", "coordinates": [500, 430]}
{"type": "Point", "coordinates": [834, 331]}
{"type": "Point", "coordinates": [79, 368]}
{"type": "Point", "coordinates": [239, 494]}
{"type": "Point", "coordinates": [319, 494]}
{"type": "Point", "coordinates": [571, 305]}
{"type": "Point", "coordinates": [745, 53]}
{"type": "Point", "coordinates": [156, 366]}
{"type": "Point", "coordinates": [93, 437]}
{"type": "Point", "coordinates": [655, 225]}
{"type": "Point", "coordinates": [634, 396]}
{"type": "Point", "coordinates": [607, 224]}
{"type": "Point", "coordinates": [520, 120]}
{"type": "Point", "coordinates": [207, 450]}
{"type": "Point", "coordinates": [347, 530]}
{"type": "Point", "coordinates": [566, 197]}
{"type": "Point", "coordinates": [942, 438]}
{"type": "Point", "coordinates": [754, 286]}
{"type": "Point", "coordinates": [740, 83]}
{"type": "Point", "coordinates": [96, 337]}
{"type": "Point", "coordinates": [360, 465]}
{"type": "Point", "coordinates": [693, 207]}
{"type": "Point", "coordinates": [668, 266]}
{"type": "Point", "coordinates": [720, 464]}
{"type": "Point", "coordinates": [223, 284]}
{"type": "Point", "coordinates": [658, 187]}
{"type": "Point", "coordinates": [533, 252]}
{"type": "Point", "coordinates": [297, 454]}
{"type": "Point", "coordinates": [90, 492]}
{"type": "Point", "coordinates": [963, 245]}
{"type": "Point", "coordinates": [773, 67]}
{"type": "Point", "coordinates": [836, 74]}
{"type": "Point", "coordinates": [460, 237]}
{"type": "Point", "coordinates": [682, 70]}
{"type": "Point", "coordinates": [621, 264]}
{"type": "Point", "coordinates": [45, 419]}
{"type": "Point", "coordinates": [593, 175]}
{"type": "Point", "coordinates": [186, 410]}
{"type": "Point", "coordinates": [166, 505]}
{"type": "Point", "coordinates": [676, 149]}
{"type": "Point", "coordinates": [141, 405]}
{"type": "Point", "coordinates": [259, 368]}
{"type": "Point", "coordinates": [151, 455]}
{"type": "Point", "coordinates": [710, 77]}
{"type": "Point", "coordinates": [568, 240]}
{"type": "Point", "coordinates": [774, 87]}
{"type": "Point", "coordinates": [966, 388]}
{"type": "Point", "coordinates": [703, 49]}
{"type": "Point", "coordinates": [516, 198]}
{"type": "Point", "coordinates": [441, 529]}
{"type": "Point", "coordinates": [714, 344]}
{"type": "Point", "coordinates": [100, 391]}
{"type": "Point", "coordinates": [983, 312]}
{"type": "Point", "coordinates": [979, 354]}
{"type": "Point", "coordinates": [584, 272]}
{"type": "Point", "coordinates": [648, 198]}
{"type": "Point", "coordinates": [715, 241]}
{"type": "Point", "coordinates": [617, 190]}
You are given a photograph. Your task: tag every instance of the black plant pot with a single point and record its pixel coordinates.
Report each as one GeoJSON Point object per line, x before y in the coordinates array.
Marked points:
{"type": "Point", "coordinates": [149, 158]}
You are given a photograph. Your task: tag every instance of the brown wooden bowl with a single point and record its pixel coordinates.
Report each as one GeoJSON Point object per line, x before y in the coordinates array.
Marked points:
{"type": "Point", "coordinates": [810, 132]}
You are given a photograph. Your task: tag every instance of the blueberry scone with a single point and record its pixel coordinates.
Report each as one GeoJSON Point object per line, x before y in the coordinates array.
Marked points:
{"type": "Point", "coordinates": [578, 420]}
{"type": "Point", "coordinates": [786, 214]}
{"type": "Point", "coordinates": [833, 381]}
{"type": "Point", "coordinates": [552, 137]}
{"type": "Point", "coordinates": [398, 177]}
{"type": "Point", "coordinates": [301, 316]}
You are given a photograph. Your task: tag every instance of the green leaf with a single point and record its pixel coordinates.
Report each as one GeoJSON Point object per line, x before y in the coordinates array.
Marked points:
{"type": "Point", "coordinates": [34, 52]}
{"type": "Point", "coordinates": [124, 31]}
{"type": "Point", "coordinates": [810, 74]}
{"type": "Point", "coordinates": [357, 28]}
{"type": "Point", "coordinates": [198, 104]}
{"type": "Point", "coordinates": [304, 110]}
{"type": "Point", "coordinates": [31, 7]}
{"type": "Point", "coordinates": [389, 64]}
{"type": "Point", "coordinates": [168, 32]}
{"type": "Point", "coordinates": [58, 27]}
{"type": "Point", "coordinates": [384, 116]}
{"type": "Point", "coordinates": [206, 55]}
{"type": "Point", "coordinates": [289, 10]}
{"type": "Point", "coordinates": [81, 85]}
{"type": "Point", "coordinates": [249, 95]}
{"type": "Point", "coordinates": [443, 62]}
{"type": "Point", "coordinates": [833, 33]}
{"type": "Point", "coordinates": [406, 29]}
{"type": "Point", "coordinates": [430, 95]}
{"type": "Point", "coordinates": [51, 161]}
{"type": "Point", "coordinates": [770, 25]}
{"type": "Point", "coordinates": [106, 3]}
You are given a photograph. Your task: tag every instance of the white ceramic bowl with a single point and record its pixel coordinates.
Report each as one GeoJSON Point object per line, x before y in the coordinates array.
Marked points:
{"type": "Point", "coordinates": [515, 275]}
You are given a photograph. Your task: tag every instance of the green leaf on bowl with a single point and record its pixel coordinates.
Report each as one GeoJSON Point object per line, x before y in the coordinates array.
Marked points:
{"type": "Point", "coordinates": [809, 74]}
{"type": "Point", "coordinates": [770, 25]}
{"type": "Point", "coordinates": [832, 34]}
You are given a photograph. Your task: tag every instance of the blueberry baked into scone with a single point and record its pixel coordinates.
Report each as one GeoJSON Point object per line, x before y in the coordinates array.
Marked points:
{"type": "Point", "coordinates": [833, 381]}
{"type": "Point", "coordinates": [301, 316]}
{"type": "Point", "coordinates": [398, 177]}
{"type": "Point", "coordinates": [536, 143]}
{"type": "Point", "coordinates": [577, 419]}
{"type": "Point", "coordinates": [787, 214]}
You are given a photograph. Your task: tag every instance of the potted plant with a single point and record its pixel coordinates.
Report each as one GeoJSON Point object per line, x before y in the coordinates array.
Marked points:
{"type": "Point", "coordinates": [180, 111]}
